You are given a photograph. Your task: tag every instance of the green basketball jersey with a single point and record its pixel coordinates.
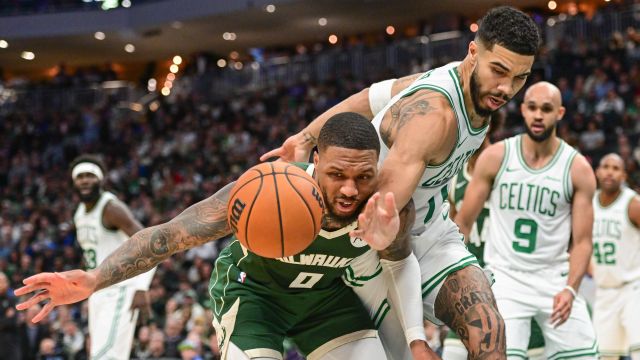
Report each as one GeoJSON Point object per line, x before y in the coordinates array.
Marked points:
{"type": "Point", "coordinates": [478, 234]}
{"type": "Point", "coordinates": [320, 266]}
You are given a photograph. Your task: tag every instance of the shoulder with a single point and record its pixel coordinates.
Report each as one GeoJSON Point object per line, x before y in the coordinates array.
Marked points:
{"type": "Point", "coordinates": [582, 176]}
{"type": "Point", "coordinates": [633, 208]}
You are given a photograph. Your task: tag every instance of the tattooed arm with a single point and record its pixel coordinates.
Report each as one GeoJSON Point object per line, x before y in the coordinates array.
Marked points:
{"type": "Point", "coordinates": [203, 222]}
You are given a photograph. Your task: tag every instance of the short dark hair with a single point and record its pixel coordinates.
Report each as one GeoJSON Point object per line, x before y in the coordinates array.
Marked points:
{"type": "Point", "coordinates": [511, 28]}
{"type": "Point", "coordinates": [349, 130]}
{"type": "Point", "coordinates": [91, 158]}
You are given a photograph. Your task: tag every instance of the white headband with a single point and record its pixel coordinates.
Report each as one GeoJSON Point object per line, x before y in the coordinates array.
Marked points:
{"type": "Point", "coordinates": [87, 167]}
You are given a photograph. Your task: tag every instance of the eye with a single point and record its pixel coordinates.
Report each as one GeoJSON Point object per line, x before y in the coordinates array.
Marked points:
{"type": "Point", "coordinates": [547, 109]}
{"type": "Point", "coordinates": [365, 177]}
{"type": "Point", "coordinates": [532, 107]}
{"type": "Point", "coordinates": [336, 175]}
{"type": "Point", "coordinates": [498, 71]}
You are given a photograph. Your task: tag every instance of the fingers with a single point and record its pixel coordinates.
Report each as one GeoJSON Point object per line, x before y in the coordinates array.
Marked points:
{"type": "Point", "coordinates": [40, 278]}
{"type": "Point", "coordinates": [31, 288]}
{"type": "Point", "coordinates": [33, 300]}
{"type": "Point", "coordinates": [390, 203]}
{"type": "Point", "coordinates": [273, 153]}
{"type": "Point", "coordinates": [44, 312]}
{"type": "Point", "coordinates": [561, 313]}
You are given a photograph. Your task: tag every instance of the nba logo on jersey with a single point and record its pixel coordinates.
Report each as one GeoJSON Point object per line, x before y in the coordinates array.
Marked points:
{"type": "Point", "coordinates": [357, 242]}
{"type": "Point", "coordinates": [241, 277]}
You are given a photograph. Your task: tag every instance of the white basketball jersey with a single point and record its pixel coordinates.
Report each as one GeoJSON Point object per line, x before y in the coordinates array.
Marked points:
{"type": "Point", "coordinates": [616, 242]}
{"type": "Point", "coordinates": [431, 195]}
{"type": "Point", "coordinates": [97, 242]}
{"type": "Point", "coordinates": [530, 223]}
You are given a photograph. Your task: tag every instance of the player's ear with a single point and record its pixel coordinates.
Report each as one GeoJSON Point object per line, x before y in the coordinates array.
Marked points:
{"type": "Point", "coordinates": [561, 112]}
{"type": "Point", "coordinates": [316, 159]}
{"type": "Point", "coordinates": [473, 49]}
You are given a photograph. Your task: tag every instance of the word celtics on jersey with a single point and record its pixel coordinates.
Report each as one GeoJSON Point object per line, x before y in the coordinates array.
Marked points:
{"type": "Point", "coordinates": [530, 219]}
{"type": "Point", "coordinates": [325, 263]}
{"type": "Point", "coordinates": [616, 242]}
{"type": "Point", "coordinates": [432, 193]}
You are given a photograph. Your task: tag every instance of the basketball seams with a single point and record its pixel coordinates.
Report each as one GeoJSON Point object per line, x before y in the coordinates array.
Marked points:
{"type": "Point", "coordinates": [275, 185]}
{"type": "Point", "coordinates": [246, 225]}
{"type": "Point", "coordinates": [313, 218]}
{"type": "Point", "coordinates": [235, 191]}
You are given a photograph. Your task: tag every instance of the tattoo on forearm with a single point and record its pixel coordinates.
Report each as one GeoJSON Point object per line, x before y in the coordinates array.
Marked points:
{"type": "Point", "coordinates": [201, 223]}
{"type": "Point", "coordinates": [400, 248]}
{"type": "Point", "coordinates": [309, 139]}
{"type": "Point", "coordinates": [466, 304]}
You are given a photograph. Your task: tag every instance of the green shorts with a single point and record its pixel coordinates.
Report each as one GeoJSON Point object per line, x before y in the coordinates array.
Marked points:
{"type": "Point", "coordinates": [536, 339]}
{"type": "Point", "coordinates": [257, 318]}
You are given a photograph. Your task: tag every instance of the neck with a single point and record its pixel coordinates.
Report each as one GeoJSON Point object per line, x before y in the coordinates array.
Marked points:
{"type": "Point", "coordinates": [606, 198]}
{"type": "Point", "coordinates": [88, 206]}
{"type": "Point", "coordinates": [465, 71]}
{"type": "Point", "coordinates": [541, 149]}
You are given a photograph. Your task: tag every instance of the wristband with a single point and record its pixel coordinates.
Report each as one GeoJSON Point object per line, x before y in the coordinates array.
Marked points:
{"type": "Point", "coordinates": [571, 290]}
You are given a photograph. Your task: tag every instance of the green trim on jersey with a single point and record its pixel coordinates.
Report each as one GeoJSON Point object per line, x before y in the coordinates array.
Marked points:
{"type": "Point", "coordinates": [359, 280]}
{"type": "Point", "coordinates": [548, 165]}
{"type": "Point", "coordinates": [503, 164]}
{"type": "Point", "coordinates": [381, 313]}
{"type": "Point", "coordinates": [602, 207]}
{"type": "Point", "coordinates": [456, 80]}
{"type": "Point", "coordinates": [568, 188]}
{"type": "Point", "coordinates": [450, 99]}
{"type": "Point", "coordinates": [113, 329]}
{"type": "Point", "coordinates": [568, 354]}
{"type": "Point", "coordinates": [517, 352]}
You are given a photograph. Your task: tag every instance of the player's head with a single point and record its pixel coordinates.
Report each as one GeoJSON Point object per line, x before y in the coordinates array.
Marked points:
{"type": "Point", "coordinates": [503, 51]}
{"type": "Point", "coordinates": [87, 173]}
{"type": "Point", "coordinates": [542, 109]}
{"type": "Point", "coordinates": [4, 283]}
{"type": "Point", "coordinates": [347, 165]}
{"type": "Point", "coordinates": [611, 173]}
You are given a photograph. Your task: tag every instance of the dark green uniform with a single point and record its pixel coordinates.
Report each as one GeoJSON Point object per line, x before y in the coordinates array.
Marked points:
{"type": "Point", "coordinates": [476, 242]}
{"type": "Point", "coordinates": [258, 301]}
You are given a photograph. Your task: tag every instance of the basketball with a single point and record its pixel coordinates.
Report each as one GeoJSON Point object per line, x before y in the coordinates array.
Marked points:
{"type": "Point", "coordinates": [275, 209]}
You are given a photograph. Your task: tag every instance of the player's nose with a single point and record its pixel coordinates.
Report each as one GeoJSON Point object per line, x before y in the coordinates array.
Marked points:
{"type": "Point", "coordinates": [349, 188]}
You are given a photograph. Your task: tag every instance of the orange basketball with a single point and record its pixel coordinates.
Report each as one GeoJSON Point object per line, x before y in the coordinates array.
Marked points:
{"type": "Point", "coordinates": [275, 209]}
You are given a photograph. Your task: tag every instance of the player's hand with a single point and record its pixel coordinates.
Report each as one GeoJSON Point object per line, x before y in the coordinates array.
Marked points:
{"type": "Point", "coordinates": [295, 148]}
{"type": "Point", "coordinates": [58, 288]}
{"type": "Point", "coordinates": [141, 302]}
{"type": "Point", "coordinates": [562, 304]}
{"type": "Point", "coordinates": [420, 350]}
{"type": "Point", "coordinates": [379, 222]}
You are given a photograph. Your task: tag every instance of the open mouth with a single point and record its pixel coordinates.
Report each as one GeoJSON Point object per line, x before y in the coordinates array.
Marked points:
{"type": "Point", "coordinates": [537, 128]}
{"type": "Point", "coordinates": [495, 102]}
{"type": "Point", "coordinates": [346, 206]}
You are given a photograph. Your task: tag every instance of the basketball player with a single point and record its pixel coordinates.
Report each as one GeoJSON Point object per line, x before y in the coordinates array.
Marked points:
{"type": "Point", "coordinates": [616, 262]}
{"type": "Point", "coordinates": [453, 347]}
{"type": "Point", "coordinates": [540, 193]}
{"type": "Point", "coordinates": [103, 223]}
{"type": "Point", "coordinates": [427, 132]}
{"type": "Point", "coordinates": [259, 301]}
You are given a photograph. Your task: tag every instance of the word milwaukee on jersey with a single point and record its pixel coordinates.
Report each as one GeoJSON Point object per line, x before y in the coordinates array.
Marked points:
{"type": "Point", "coordinates": [317, 260]}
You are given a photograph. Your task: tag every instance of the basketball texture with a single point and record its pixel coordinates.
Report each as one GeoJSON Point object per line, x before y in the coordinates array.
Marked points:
{"type": "Point", "coordinates": [275, 209]}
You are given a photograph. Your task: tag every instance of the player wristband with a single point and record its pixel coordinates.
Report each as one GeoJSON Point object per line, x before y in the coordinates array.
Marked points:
{"type": "Point", "coordinates": [571, 290]}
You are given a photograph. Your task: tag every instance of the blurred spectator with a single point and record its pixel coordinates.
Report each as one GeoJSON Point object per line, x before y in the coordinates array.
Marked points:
{"type": "Point", "coordinates": [9, 341]}
{"type": "Point", "coordinates": [49, 351]}
{"type": "Point", "coordinates": [31, 335]}
{"type": "Point", "coordinates": [592, 139]}
{"type": "Point", "coordinates": [73, 339]}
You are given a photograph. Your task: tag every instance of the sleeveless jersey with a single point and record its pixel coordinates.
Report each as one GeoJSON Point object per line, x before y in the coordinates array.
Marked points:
{"type": "Point", "coordinates": [616, 242]}
{"type": "Point", "coordinates": [322, 265]}
{"type": "Point", "coordinates": [431, 195]}
{"type": "Point", "coordinates": [530, 209]}
{"type": "Point", "coordinates": [480, 229]}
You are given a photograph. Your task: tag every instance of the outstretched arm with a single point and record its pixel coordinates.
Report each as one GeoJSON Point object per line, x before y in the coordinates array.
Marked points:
{"type": "Point", "coordinates": [584, 186]}
{"type": "Point", "coordinates": [202, 222]}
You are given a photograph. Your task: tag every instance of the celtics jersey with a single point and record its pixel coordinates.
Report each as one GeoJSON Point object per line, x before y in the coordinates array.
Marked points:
{"type": "Point", "coordinates": [479, 231]}
{"type": "Point", "coordinates": [616, 242]}
{"type": "Point", "coordinates": [321, 265]}
{"type": "Point", "coordinates": [430, 197]}
{"type": "Point", "coordinates": [530, 210]}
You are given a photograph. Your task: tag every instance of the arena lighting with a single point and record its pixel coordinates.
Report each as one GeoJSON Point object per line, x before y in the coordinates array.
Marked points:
{"type": "Point", "coordinates": [152, 82]}
{"type": "Point", "coordinates": [551, 22]}
{"type": "Point", "coordinates": [129, 48]}
{"type": "Point", "coordinates": [562, 17]}
{"type": "Point", "coordinates": [255, 65]}
{"type": "Point", "coordinates": [222, 63]}
{"type": "Point", "coordinates": [238, 65]}
{"type": "Point", "coordinates": [171, 76]}
{"type": "Point", "coordinates": [270, 8]}
{"type": "Point", "coordinates": [165, 91]}
{"type": "Point", "coordinates": [234, 55]}
{"type": "Point", "coordinates": [473, 27]}
{"type": "Point", "coordinates": [174, 68]}
{"type": "Point", "coordinates": [4, 44]}
{"type": "Point", "coordinates": [322, 21]}
{"type": "Point", "coordinates": [28, 55]}
{"type": "Point", "coordinates": [552, 5]}
{"type": "Point", "coordinates": [177, 59]}
{"type": "Point", "coordinates": [333, 39]}
{"type": "Point", "coordinates": [168, 84]}
{"type": "Point", "coordinates": [151, 88]}
{"type": "Point", "coordinates": [99, 35]}
{"type": "Point", "coordinates": [390, 30]}
{"type": "Point", "coordinates": [176, 25]}
{"type": "Point", "coordinates": [154, 106]}
{"type": "Point", "coordinates": [126, 3]}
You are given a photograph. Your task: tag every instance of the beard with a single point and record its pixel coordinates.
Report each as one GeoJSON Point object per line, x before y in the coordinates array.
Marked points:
{"type": "Point", "coordinates": [332, 221]}
{"type": "Point", "coordinates": [476, 96]}
{"type": "Point", "coordinates": [92, 196]}
{"type": "Point", "coordinates": [540, 137]}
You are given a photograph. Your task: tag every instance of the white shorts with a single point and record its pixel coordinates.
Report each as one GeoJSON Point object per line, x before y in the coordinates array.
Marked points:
{"type": "Point", "coordinates": [522, 296]}
{"type": "Point", "coordinates": [111, 323]}
{"type": "Point", "coordinates": [617, 319]}
{"type": "Point", "coordinates": [440, 250]}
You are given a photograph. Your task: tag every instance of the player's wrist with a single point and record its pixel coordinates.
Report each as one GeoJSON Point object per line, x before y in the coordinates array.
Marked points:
{"type": "Point", "coordinates": [571, 290]}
